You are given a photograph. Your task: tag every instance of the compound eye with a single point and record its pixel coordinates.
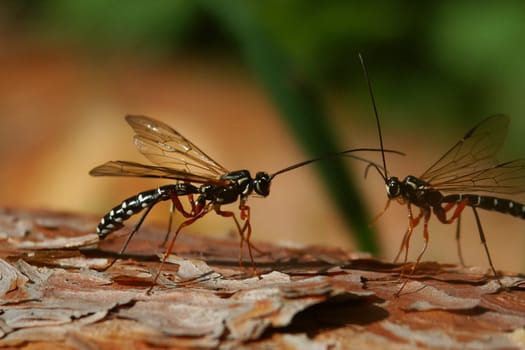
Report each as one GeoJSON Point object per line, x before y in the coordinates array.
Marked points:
{"type": "Point", "coordinates": [261, 184]}
{"type": "Point", "coordinates": [393, 187]}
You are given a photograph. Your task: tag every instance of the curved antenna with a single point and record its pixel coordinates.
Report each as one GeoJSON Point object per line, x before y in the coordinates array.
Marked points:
{"type": "Point", "coordinates": [370, 91]}
{"type": "Point", "coordinates": [370, 163]}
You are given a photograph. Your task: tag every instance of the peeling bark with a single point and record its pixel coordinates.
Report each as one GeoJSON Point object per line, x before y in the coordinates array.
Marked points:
{"type": "Point", "coordinates": [54, 294]}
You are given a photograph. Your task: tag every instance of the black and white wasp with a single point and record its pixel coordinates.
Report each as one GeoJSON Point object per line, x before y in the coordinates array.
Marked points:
{"type": "Point", "coordinates": [207, 185]}
{"type": "Point", "coordinates": [467, 175]}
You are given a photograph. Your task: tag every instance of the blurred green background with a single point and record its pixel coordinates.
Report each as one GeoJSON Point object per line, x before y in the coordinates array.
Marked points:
{"type": "Point", "coordinates": [436, 67]}
{"type": "Point", "coordinates": [461, 58]}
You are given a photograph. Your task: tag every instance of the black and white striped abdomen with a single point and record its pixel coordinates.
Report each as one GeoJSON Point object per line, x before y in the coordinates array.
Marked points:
{"type": "Point", "coordinates": [114, 220]}
{"type": "Point", "coordinates": [501, 205]}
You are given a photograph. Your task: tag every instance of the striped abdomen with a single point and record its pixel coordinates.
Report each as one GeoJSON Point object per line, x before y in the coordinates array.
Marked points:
{"type": "Point", "coordinates": [501, 205]}
{"type": "Point", "coordinates": [114, 220]}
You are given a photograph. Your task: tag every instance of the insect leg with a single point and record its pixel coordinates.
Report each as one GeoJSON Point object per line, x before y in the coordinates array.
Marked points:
{"type": "Point", "coordinates": [230, 214]}
{"type": "Point", "coordinates": [412, 223]}
{"type": "Point", "coordinates": [170, 222]}
{"type": "Point", "coordinates": [484, 242]}
{"type": "Point", "coordinates": [245, 216]}
{"type": "Point", "coordinates": [172, 243]}
{"type": "Point", "coordinates": [408, 234]}
{"type": "Point", "coordinates": [176, 204]}
{"type": "Point", "coordinates": [404, 243]}
{"type": "Point", "coordinates": [425, 238]}
{"type": "Point", "coordinates": [196, 205]}
{"type": "Point", "coordinates": [130, 235]}
{"type": "Point", "coordinates": [426, 213]}
{"type": "Point", "coordinates": [458, 242]}
{"type": "Point", "coordinates": [440, 213]}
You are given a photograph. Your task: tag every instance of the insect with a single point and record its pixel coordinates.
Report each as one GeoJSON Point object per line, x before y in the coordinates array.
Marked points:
{"type": "Point", "coordinates": [207, 185]}
{"type": "Point", "coordinates": [467, 175]}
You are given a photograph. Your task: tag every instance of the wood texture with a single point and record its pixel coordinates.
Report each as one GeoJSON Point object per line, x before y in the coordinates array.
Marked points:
{"type": "Point", "coordinates": [55, 296]}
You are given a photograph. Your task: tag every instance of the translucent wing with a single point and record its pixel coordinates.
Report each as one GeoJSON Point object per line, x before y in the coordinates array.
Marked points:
{"type": "Point", "coordinates": [506, 178]}
{"type": "Point", "coordinates": [475, 152]}
{"type": "Point", "coordinates": [123, 168]}
{"type": "Point", "coordinates": [164, 146]}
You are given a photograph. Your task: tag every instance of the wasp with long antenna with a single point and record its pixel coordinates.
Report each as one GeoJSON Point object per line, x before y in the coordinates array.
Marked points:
{"type": "Point", "coordinates": [467, 175]}
{"type": "Point", "coordinates": [207, 185]}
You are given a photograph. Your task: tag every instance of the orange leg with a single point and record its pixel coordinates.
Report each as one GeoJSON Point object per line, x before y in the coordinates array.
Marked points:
{"type": "Point", "coordinates": [176, 205]}
{"type": "Point", "coordinates": [245, 216]}
{"type": "Point", "coordinates": [412, 223]}
{"type": "Point", "coordinates": [404, 243]}
{"type": "Point", "coordinates": [426, 214]}
{"type": "Point", "coordinates": [170, 223]}
{"type": "Point", "coordinates": [440, 213]}
{"type": "Point", "coordinates": [457, 215]}
{"type": "Point", "coordinates": [172, 243]}
{"type": "Point", "coordinates": [246, 228]}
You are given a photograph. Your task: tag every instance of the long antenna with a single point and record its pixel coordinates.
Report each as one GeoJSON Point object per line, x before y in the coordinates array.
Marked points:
{"type": "Point", "coordinates": [370, 91]}
{"type": "Point", "coordinates": [346, 153]}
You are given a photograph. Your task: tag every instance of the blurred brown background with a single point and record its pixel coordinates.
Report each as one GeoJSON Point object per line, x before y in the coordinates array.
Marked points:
{"type": "Point", "coordinates": [236, 80]}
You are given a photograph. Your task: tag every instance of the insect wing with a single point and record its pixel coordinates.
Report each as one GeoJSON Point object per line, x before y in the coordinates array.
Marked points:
{"type": "Point", "coordinates": [123, 168]}
{"type": "Point", "coordinates": [475, 151]}
{"type": "Point", "coordinates": [164, 146]}
{"type": "Point", "coordinates": [506, 178]}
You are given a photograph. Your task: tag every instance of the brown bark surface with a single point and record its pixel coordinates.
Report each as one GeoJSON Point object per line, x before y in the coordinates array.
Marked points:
{"type": "Point", "coordinates": [55, 296]}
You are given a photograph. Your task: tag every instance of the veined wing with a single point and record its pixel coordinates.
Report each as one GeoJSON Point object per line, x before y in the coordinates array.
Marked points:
{"type": "Point", "coordinates": [164, 146]}
{"type": "Point", "coordinates": [505, 178]}
{"type": "Point", "coordinates": [124, 168]}
{"type": "Point", "coordinates": [475, 151]}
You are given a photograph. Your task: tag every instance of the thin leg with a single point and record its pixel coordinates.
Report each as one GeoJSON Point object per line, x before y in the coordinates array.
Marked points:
{"type": "Point", "coordinates": [425, 239]}
{"type": "Point", "coordinates": [484, 242]}
{"type": "Point", "coordinates": [248, 226]}
{"type": "Point", "coordinates": [425, 245]}
{"type": "Point", "coordinates": [440, 213]}
{"type": "Point", "coordinates": [403, 244]}
{"type": "Point", "coordinates": [457, 216]}
{"type": "Point", "coordinates": [245, 216]}
{"type": "Point", "coordinates": [176, 205]}
{"type": "Point", "coordinates": [412, 223]}
{"type": "Point", "coordinates": [458, 242]}
{"type": "Point", "coordinates": [130, 235]}
{"type": "Point", "coordinates": [230, 214]}
{"type": "Point", "coordinates": [170, 222]}
{"type": "Point", "coordinates": [195, 208]}
{"type": "Point", "coordinates": [172, 243]}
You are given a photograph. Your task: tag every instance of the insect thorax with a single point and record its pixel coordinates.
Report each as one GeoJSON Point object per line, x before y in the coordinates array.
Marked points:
{"type": "Point", "coordinates": [414, 191]}
{"type": "Point", "coordinates": [237, 183]}
{"type": "Point", "coordinates": [241, 180]}
{"type": "Point", "coordinates": [420, 192]}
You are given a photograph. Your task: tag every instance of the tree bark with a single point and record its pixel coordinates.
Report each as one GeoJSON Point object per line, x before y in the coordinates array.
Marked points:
{"type": "Point", "coordinates": [55, 294]}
